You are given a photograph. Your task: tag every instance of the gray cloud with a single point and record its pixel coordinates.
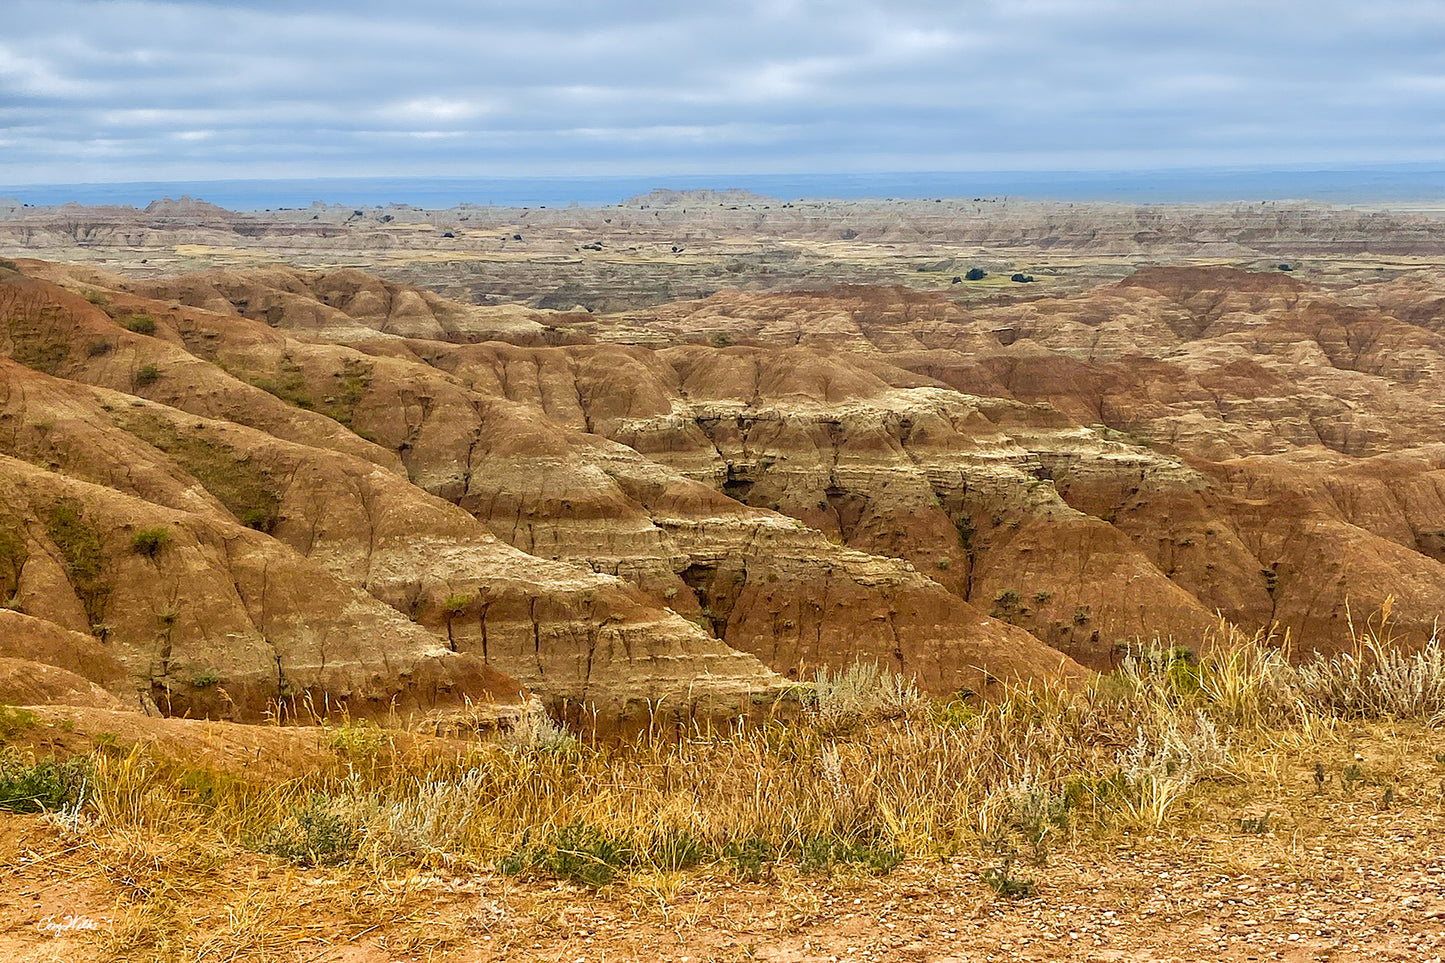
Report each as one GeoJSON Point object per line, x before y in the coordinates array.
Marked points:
{"type": "Point", "coordinates": [144, 89]}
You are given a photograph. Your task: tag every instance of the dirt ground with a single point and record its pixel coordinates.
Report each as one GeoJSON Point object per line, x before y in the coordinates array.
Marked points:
{"type": "Point", "coordinates": [1358, 882]}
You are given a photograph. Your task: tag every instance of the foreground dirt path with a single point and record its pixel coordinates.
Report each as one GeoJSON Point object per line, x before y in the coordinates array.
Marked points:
{"type": "Point", "coordinates": [1362, 885]}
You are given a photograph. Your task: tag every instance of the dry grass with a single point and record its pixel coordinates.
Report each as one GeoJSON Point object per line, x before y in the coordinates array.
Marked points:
{"type": "Point", "coordinates": [871, 774]}
{"type": "Point", "coordinates": [871, 769]}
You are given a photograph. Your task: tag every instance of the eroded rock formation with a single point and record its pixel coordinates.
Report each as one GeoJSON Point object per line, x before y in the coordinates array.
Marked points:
{"type": "Point", "coordinates": [376, 494]}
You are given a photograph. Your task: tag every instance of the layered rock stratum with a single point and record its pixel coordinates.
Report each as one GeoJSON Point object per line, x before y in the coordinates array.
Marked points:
{"type": "Point", "coordinates": [400, 500]}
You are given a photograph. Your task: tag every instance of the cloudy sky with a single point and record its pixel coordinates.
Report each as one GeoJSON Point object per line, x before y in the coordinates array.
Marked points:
{"type": "Point", "coordinates": [152, 90]}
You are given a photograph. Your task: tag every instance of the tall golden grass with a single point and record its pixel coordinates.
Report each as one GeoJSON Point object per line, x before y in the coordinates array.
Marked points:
{"type": "Point", "coordinates": [869, 773]}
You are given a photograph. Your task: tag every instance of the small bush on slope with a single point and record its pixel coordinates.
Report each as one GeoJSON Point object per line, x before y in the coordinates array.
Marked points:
{"type": "Point", "coordinates": [150, 541]}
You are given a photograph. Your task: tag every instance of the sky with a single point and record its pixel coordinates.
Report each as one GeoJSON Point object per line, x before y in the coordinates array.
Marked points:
{"type": "Point", "coordinates": [100, 91]}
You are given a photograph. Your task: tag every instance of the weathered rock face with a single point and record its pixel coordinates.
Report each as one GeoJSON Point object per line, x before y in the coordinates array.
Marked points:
{"type": "Point", "coordinates": [681, 227]}
{"type": "Point", "coordinates": [27, 683]}
{"type": "Point", "coordinates": [41, 662]}
{"type": "Point", "coordinates": [1268, 449]}
{"type": "Point", "coordinates": [349, 305]}
{"type": "Point", "coordinates": [1100, 469]}
{"type": "Point", "coordinates": [277, 555]}
{"type": "Point", "coordinates": [219, 619]}
{"type": "Point", "coordinates": [692, 501]}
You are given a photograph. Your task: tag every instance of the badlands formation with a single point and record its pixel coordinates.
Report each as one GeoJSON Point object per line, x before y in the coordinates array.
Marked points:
{"type": "Point", "coordinates": [669, 456]}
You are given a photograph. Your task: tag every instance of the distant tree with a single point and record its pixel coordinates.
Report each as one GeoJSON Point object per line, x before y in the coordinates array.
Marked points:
{"type": "Point", "coordinates": [1285, 267]}
{"type": "Point", "coordinates": [1022, 278]}
{"type": "Point", "coordinates": [975, 274]}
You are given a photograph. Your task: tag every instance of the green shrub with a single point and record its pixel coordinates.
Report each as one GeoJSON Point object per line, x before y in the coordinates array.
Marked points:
{"type": "Point", "coordinates": [98, 348]}
{"type": "Point", "coordinates": [672, 852]}
{"type": "Point", "coordinates": [537, 732]}
{"type": "Point", "coordinates": [858, 694]}
{"type": "Point", "coordinates": [956, 713]}
{"type": "Point", "coordinates": [1002, 881]}
{"type": "Point", "coordinates": [1035, 812]}
{"type": "Point", "coordinates": [822, 853]}
{"type": "Point", "coordinates": [578, 852]}
{"type": "Point", "coordinates": [150, 541]}
{"type": "Point", "coordinates": [316, 834]}
{"type": "Point", "coordinates": [45, 786]}
{"type": "Point", "coordinates": [750, 857]}
{"type": "Point", "coordinates": [141, 324]}
{"type": "Point", "coordinates": [1007, 606]}
{"type": "Point", "coordinates": [147, 374]}
{"type": "Point", "coordinates": [261, 519]}
{"type": "Point", "coordinates": [357, 740]}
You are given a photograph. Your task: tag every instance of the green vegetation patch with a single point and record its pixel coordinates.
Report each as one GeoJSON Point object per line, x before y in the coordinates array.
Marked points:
{"type": "Point", "coordinates": [822, 854]}
{"type": "Point", "coordinates": [291, 386]}
{"type": "Point", "coordinates": [237, 481]}
{"type": "Point", "coordinates": [13, 556]}
{"type": "Point", "coordinates": [81, 545]}
{"type": "Point", "coordinates": [589, 855]}
{"type": "Point", "coordinates": [355, 379]}
{"type": "Point", "coordinates": [150, 542]}
{"type": "Point", "coordinates": [579, 852]}
{"type": "Point", "coordinates": [319, 833]}
{"type": "Point", "coordinates": [140, 323]}
{"type": "Point", "coordinates": [14, 721]}
{"type": "Point", "coordinates": [28, 786]}
{"type": "Point", "coordinates": [36, 336]}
